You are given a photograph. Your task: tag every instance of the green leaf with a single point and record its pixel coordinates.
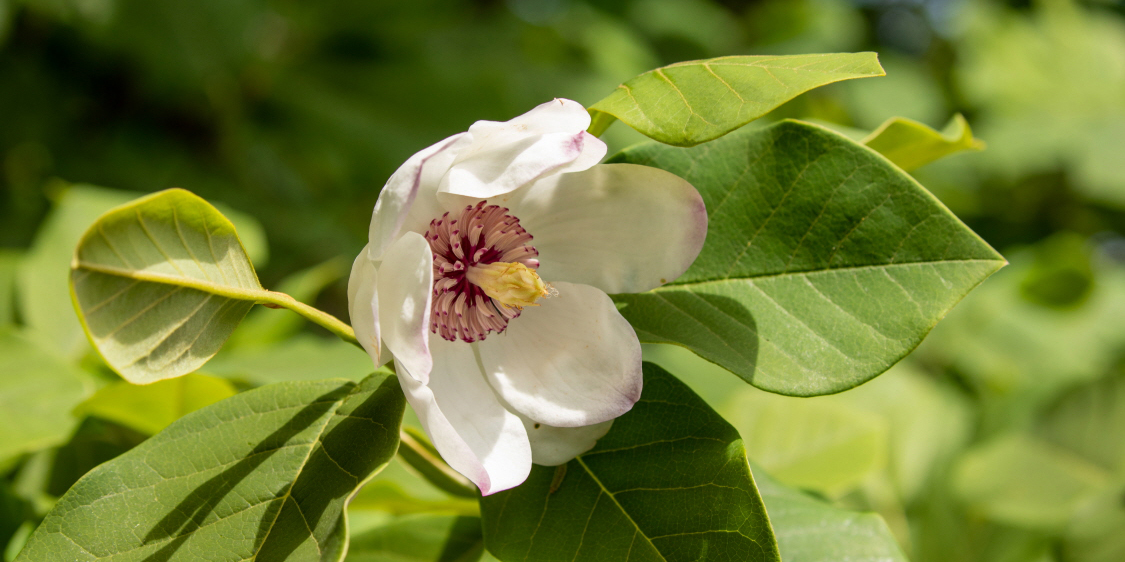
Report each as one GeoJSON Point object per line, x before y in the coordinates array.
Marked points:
{"type": "Point", "coordinates": [689, 103]}
{"type": "Point", "coordinates": [910, 144]}
{"type": "Point", "coordinates": [810, 530]}
{"type": "Point", "coordinates": [160, 284]}
{"type": "Point", "coordinates": [821, 444]}
{"type": "Point", "coordinates": [1026, 482]}
{"type": "Point", "coordinates": [420, 538]}
{"type": "Point", "coordinates": [150, 408]}
{"type": "Point", "coordinates": [304, 357]}
{"type": "Point", "coordinates": [261, 475]}
{"type": "Point", "coordinates": [37, 392]}
{"type": "Point", "coordinates": [9, 261]}
{"type": "Point", "coordinates": [824, 264]}
{"type": "Point", "coordinates": [42, 280]}
{"type": "Point", "coordinates": [669, 481]}
{"type": "Point", "coordinates": [1097, 532]}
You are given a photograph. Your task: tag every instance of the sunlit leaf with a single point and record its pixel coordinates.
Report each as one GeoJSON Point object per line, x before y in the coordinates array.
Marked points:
{"type": "Point", "coordinates": [160, 284]}
{"type": "Point", "coordinates": [910, 144]}
{"type": "Point", "coordinates": [300, 358]}
{"type": "Point", "coordinates": [150, 408]}
{"type": "Point", "coordinates": [689, 103]}
{"type": "Point", "coordinates": [820, 444]}
{"type": "Point", "coordinates": [262, 475]}
{"type": "Point", "coordinates": [670, 481]}
{"type": "Point", "coordinates": [42, 281]}
{"type": "Point", "coordinates": [823, 266]}
{"type": "Point", "coordinates": [811, 530]}
{"type": "Point", "coordinates": [37, 392]}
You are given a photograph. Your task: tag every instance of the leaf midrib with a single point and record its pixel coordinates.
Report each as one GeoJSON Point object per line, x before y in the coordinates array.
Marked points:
{"type": "Point", "coordinates": [675, 284]}
{"type": "Point", "coordinates": [229, 291]}
{"type": "Point", "coordinates": [619, 506]}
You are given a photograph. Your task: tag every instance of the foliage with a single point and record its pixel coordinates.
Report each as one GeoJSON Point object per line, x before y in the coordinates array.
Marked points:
{"type": "Point", "coordinates": [996, 440]}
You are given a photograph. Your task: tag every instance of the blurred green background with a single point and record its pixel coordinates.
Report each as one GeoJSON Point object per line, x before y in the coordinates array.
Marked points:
{"type": "Point", "coordinates": [1002, 439]}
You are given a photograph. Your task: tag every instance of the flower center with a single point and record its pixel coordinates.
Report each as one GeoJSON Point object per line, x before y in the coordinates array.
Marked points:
{"type": "Point", "coordinates": [484, 272]}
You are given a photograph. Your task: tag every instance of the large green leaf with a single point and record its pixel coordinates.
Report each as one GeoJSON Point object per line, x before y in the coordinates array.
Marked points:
{"type": "Point", "coordinates": [824, 264]}
{"type": "Point", "coordinates": [37, 392]}
{"type": "Point", "coordinates": [419, 538]}
{"type": "Point", "coordinates": [689, 103]}
{"type": "Point", "coordinates": [160, 284]}
{"type": "Point", "coordinates": [670, 481]}
{"type": "Point", "coordinates": [810, 530]}
{"type": "Point", "coordinates": [263, 475]}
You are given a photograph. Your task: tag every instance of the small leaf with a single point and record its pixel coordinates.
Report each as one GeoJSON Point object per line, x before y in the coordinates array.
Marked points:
{"type": "Point", "coordinates": [150, 408]}
{"type": "Point", "coordinates": [669, 481]}
{"type": "Point", "coordinates": [419, 538]}
{"type": "Point", "coordinates": [810, 530]}
{"type": "Point", "coordinates": [824, 264]}
{"type": "Point", "coordinates": [160, 284]}
{"type": "Point", "coordinates": [262, 475]}
{"type": "Point", "coordinates": [37, 392]}
{"type": "Point", "coordinates": [689, 103]}
{"type": "Point", "coordinates": [910, 144]}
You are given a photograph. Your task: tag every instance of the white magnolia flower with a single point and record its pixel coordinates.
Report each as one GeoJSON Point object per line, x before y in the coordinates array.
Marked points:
{"type": "Point", "coordinates": [485, 275]}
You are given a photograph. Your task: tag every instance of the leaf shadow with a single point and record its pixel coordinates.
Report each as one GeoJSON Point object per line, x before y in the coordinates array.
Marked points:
{"type": "Point", "coordinates": [335, 468]}
{"type": "Point", "coordinates": [717, 328]}
{"type": "Point", "coordinates": [189, 515]}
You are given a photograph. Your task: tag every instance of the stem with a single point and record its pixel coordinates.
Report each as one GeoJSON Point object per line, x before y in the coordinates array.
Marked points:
{"type": "Point", "coordinates": [417, 451]}
{"type": "Point", "coordinates": [329, 322]}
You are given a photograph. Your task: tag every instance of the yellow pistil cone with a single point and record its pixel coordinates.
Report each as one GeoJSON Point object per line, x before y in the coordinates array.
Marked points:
{"type": "Point", "coordinates": [510, 284]}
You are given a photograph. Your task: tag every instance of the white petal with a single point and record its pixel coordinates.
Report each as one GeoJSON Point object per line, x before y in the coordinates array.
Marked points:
{"type": "Point", "coordinates": [572, 361]}
{"type": "Point", "coordinates": [420, 174]}
{"type": "Point", "coordinates": [552, 446]}
{"type": "Point", "coordinates": [622, 228]}
{"type": "Point", "coordinates": [505, 156]}
{"type": "Point", "coordinates": [406, 279]}
{"type": "Point", "coordinates": [363, 306]}
{"type": "Point", "coordinates": [466, 422]}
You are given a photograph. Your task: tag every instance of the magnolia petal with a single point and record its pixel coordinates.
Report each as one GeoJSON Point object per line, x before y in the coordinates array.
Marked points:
{"type": "Point", "coordinates": [622, 228]}
{"type": "Point", "coordinates": [502, 157]}
{"type": "Point", "coordinates": [466, 422]}
{"type": "Point", "coordinates": [552, 446]}
{"type": "Point", "coordinates": [399, 197]}
{"type": "Point", "coordinates": [406, 279]}
{"type": "Point", "coordinates": [363, 305]}
{"type": "Point", "coordinates": [573, 361]}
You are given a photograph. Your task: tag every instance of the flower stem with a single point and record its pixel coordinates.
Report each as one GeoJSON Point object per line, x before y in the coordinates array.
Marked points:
{"type": "Point", "coordinates": [417, 451]}
{"type": "Point", "coordinates": [329, 322]}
